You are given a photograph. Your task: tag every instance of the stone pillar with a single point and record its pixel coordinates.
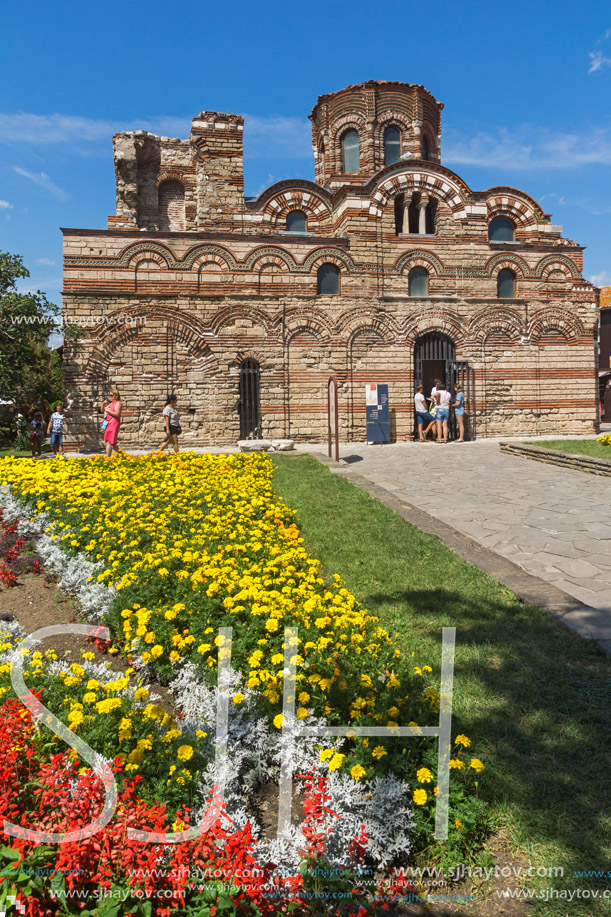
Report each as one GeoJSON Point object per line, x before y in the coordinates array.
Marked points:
{"type": "Point", "coordinates": [422, 215]}
{"type": "Point", "coordinates": [406, 201]}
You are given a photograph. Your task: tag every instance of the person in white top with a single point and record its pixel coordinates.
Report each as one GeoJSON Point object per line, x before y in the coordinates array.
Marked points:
{"type": "Point", "coordinates": [423, 414]}
{"type": "Point", "coordinates": [443, 400]}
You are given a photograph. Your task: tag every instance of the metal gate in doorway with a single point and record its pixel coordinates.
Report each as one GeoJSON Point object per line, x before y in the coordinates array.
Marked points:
{"type": "Point", "coordinates": [435, 358]}
{"type": "Point", "coordinates": [250, 399]}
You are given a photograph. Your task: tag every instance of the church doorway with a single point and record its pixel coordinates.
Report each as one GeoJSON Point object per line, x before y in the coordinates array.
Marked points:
{"type": "Point", "coordinates": [435, 358]}
{"type": "Point", "coordinates": [250, 399]}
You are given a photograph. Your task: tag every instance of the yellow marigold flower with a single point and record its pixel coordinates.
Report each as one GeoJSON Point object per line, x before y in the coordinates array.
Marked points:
{"type": "Point", "coordinates": [336, 761]}
{"type": "Point", "coordinates": [357, 772]}
{"type": "Point", "coordinates": [204, 648]}
{"type": "Point", "coordinates": [379, 751]}
{"type": "Point", "coordinates": [456, 764]}
{"type": "Point", "coordinates": [462, 740]}
{"type": "Point", "coordinates": [424, 775]}
{"type": "Point", "coordinates": [157, 651]}
{"type": "Point", "coordinates": [141, 694]}
{"type": "Point", "coordinates": [326, 754]}
{"type": "Point", "coordinates": [278, 659]}
{"type": "Point", "coordinates": [238, 698]}
{"type": "Point", "coordinates": [174, 656]}
{"type": "Point", "coordinates": [271, 625]}
{"type": "Point", "coordinates": [477, 765]}
{"type": "Point", "coordinates": [324, 684]}
{"type": "Point", "coordinates": [278, 721]}
{"type": "Point", "coordinates": [185, 752]}
{"type": "Point", "coordinates": [107, 706]}
{"type": "Point", "coordinates": [89, 656]}
{"type": "Point", "coordinates": [304, 697]}
{"type": "Point", "coordinates": [90, 697]}
{"type": "Point", "coordinates": [302, 713]}
{"type": "Point", "coordinates": [420, 797]}
{"type": "Point", "coordinates": [458, 823]}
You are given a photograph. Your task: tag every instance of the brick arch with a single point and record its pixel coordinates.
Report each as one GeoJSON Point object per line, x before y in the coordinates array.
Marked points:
{"type": "Point", "coordinates": [229, 314]}
{"type": "Point", "coordinates": [270, 255]}
{"type": "Point", "coordinates": [172, 175]}
{"type": "Point", "coordinates": [556, 319]}
{"type": "Point", "coordinates": [315, 207]}
{"type": "Point", "coordinates": [354, 319]}
{"type": "Point", "coordinates": [557, 263]}
{"type": "Point", "coordinates": [518, 208]}
{"type": "Point", "coordinates": [187, 330]}
{"type": "Point", "coordinates": [200, 254]}
{"type": "Point", "coordinates": [433, 320]}
{"type": "Point", "coordinates": [250, 355]}
{"type": "Point", "coordinates": [412, 178]}
{"type": "Point", "coordinates": [382, 333]}
{"type": "Point", "coordinates": [391, 118]}
{"type": "Point", "coordinates": [147, 251]}
{"type": "Point", "coordinates": [311, 320]}
{"type": "Point", "coordinates": [427, 130]}
{"type": "Point", "coordinates": [419, 259]}
{"type": "Point", "coordinates": [507, 260]}
{"type": "Point", "coordinates": [349, 121]}
{"type": "Point", "coordinates": [494, 320]}
{"type": "Point", "coordinates": [328, 256]}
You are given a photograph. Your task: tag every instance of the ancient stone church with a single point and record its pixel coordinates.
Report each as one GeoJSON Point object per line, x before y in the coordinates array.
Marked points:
{"type": "Point", "coordinates": [387, 268]}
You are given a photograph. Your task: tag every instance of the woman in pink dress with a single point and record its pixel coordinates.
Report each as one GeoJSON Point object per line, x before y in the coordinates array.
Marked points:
{"type": "Point", "coordinates": [112, 409]}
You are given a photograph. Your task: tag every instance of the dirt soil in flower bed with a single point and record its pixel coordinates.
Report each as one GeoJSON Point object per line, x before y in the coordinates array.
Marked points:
{"type": "Point", "coordinates": [36, 602]}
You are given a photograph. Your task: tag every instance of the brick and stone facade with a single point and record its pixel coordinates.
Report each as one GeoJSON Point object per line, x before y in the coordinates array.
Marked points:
{"type": "Point", "coordinates": [191, 279]}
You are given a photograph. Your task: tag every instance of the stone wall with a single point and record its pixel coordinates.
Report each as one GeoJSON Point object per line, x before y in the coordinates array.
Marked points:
{"type": "Point", "coordinates": [179, 310]}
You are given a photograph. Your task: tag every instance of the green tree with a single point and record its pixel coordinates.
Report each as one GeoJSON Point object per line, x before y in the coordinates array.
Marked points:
{"type": "Point", "coordinates": [28, 370]}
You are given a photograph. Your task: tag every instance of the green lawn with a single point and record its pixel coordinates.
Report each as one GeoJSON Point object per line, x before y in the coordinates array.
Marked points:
{"type": "Point", "coordinates": [533, 697]}
{"type": "Point", "coordinates": [580, 446]}
{"type": "Point", "coordinates": [10, 450]}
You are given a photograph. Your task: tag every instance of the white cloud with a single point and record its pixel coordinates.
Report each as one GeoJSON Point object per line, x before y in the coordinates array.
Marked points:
{"type": "Point", "coordinates": [277, 137]}
{"type": "Point", "coordinates": [529, 147]}
{"type": "Point", "coordinates": [4, 205]}
{"type": "Point", "coordinates": [38, 130]}
{"type": "Point", "coordinates": [285, 137]}
{"type": "Point", "coordinates": [601, 280]}
{"type": "Point", "coordinates": [598, 61]}
{"type": "Point", "coordinates": [46, 262]}
{"type": "Point", "coordinates": [43, 181]}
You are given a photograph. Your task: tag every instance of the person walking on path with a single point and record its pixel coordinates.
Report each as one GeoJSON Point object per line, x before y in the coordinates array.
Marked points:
{"type": "Point", "coordinates": [38, 434]}
{"type": "Point", "coordinates": [459, 411]}
{"type": "Point", "coordinates": [171, 420]}
{"type": "Point", "coordinates": [443, 399]}
{"type": "Point", "coordinates": [112, 410]}
{"type": "Point", "coordinates": [56, 430]}
{"type": "Point", "coordinates": [423, 414]}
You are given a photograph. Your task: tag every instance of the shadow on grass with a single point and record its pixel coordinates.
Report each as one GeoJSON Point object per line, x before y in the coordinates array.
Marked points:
{"type": "Point", "coordinates": [533, 697]}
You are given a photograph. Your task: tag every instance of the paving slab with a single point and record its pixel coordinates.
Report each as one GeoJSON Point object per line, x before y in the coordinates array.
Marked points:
{"type": "Point", "coordinates": [544, 531]}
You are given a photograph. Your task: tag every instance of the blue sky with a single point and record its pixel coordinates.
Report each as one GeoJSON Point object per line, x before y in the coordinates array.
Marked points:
{"type": "Point", "coordinates": [526, 87]}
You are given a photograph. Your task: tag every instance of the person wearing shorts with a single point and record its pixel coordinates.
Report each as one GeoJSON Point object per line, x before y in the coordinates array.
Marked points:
{"type": "Point", "coordinates": [459, 411]}
{"type": "Point", "coordinates": [423, 415]}
{"type": "Point", "coordinates": [171, 419]}
{"type": "Point", "coordinates": [443, 399]}
{"type": "Point", "coordinates": [55, 429]}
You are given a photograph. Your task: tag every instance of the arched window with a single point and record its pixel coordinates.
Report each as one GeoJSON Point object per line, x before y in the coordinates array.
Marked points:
{"type": "Point", "coordinates": [506, 284]}
{"type": "Point", "coordinates": [296, 221]}
{"type": "Point", "coordinates": [250, 399]}
{"type": "Point", "coordinates": [418, 282]}
{"type": "Point", "coordinates": [392, 146]}
{"type": "Point", "coordinates": [171, 206]}
{"type": "Point", "coordinates": [424, 148]}
{"type": "Point", "coordinates": [350, 151]}
{"type": "Point", "coordinates": [328, 280]}
{"type": "Point", "coordinates": [501, 230]}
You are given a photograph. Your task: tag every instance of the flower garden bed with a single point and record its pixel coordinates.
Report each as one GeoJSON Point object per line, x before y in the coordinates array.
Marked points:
{"type": "Point", "coordinates": [165, 551]}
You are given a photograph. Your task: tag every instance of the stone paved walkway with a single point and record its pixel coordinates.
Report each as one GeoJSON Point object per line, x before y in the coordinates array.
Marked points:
{"type": "Point", "coordinates": [554, 523]}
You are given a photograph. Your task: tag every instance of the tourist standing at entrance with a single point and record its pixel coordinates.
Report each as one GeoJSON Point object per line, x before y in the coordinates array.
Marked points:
{"type": "Point", "coordinates": [38, 434]}
{"type": "Point", "coordinates": [423, 414]}
{"type": "Point", "coordinates": [459, 411]}
{"type": "Point", "coordinates": [443, 400]}
{"type": "Point", "coordinates": [56, 429]}
{"type": "Point", "coordinates": [113, 410]}
{"type": "Point", "coordinates": [171, 419]}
